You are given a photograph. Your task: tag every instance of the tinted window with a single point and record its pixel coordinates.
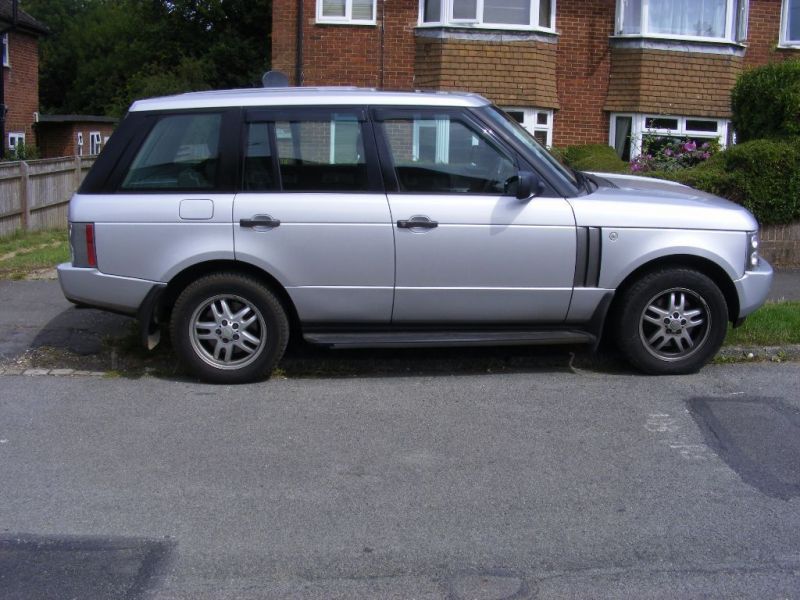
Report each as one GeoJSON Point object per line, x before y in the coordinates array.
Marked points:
{"type": "Point", "coordinates": [320, 156]}
{"type": "Point", "coordinates": [258, 173]}
{"type": "Point", "coordinates": [444, 155]}
{"type": "Point", "coordinates": [181, 152]}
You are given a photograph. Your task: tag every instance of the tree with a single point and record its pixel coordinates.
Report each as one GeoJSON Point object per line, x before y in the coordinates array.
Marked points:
{"type": "Point", "coordinates": [103, 54]}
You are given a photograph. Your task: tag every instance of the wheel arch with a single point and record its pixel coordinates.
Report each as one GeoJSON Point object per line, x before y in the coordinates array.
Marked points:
{"type": "Point", "coordinates": [182, 279]}
{"type": "Point", "coordinates": [703, 265]}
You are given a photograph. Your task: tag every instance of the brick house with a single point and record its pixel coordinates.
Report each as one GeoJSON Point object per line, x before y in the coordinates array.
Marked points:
{"type": "Point", "coordinates": [20, 60]}
{"type": "Point", "coordinates": [73, 135]}
{"type": "Point", "coordinates": [572, 71]}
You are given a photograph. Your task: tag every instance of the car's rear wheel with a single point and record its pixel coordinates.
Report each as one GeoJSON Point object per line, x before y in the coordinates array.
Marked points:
{"type": "Point", "coordinates": [671, 321]}
{"type": "Point", "coordinates": [229, 328]}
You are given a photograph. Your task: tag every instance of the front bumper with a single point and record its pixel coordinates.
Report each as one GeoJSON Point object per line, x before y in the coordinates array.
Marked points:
{"type": "Point", "coordinates": [99, 290]}
{"type": "Point", "coordinates": [753, 288]}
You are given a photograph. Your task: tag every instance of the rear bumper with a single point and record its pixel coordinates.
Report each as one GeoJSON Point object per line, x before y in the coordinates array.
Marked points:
{"type": "Point", "coordinates": [753, 288]}
{"type": "Point", "coordinates": [108, 292]}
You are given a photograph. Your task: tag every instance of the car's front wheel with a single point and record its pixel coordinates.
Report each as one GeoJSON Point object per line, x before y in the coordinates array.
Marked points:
{"type": "Point", "coordinates": [229, 328]}
{"type": "Point", "coordinates": [671, 321]}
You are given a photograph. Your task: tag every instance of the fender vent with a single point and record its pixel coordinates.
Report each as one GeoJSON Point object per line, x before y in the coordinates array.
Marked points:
{"type": "Point", "coordinates": [587, 257]}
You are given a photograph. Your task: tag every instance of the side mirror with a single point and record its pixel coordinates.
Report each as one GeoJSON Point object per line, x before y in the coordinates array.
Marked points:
{"type": "Point", "coordinates": [528, 185]}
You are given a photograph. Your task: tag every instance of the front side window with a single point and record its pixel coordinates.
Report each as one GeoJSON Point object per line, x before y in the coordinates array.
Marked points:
{"type": "Point", "coordinates": [181, 152]}
{"type": "Point", "coordinates": [790, 23]}
{"type": "Point", "coordinates": [720, 20]}
{"type": "Point", "coordinates": [443, 155]}
{"type": "Point", "coordinates": [503, 14]}
{"type": "Point", "coordinates": [354, 12]}
{"type": "Point", "coordinates": [322, 155]}
{"type": "Point", "coordinates": [629, 133]}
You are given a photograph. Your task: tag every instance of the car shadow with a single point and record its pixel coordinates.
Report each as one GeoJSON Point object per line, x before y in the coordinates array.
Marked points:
{"type": "Point", "coordinates": [92, 340]}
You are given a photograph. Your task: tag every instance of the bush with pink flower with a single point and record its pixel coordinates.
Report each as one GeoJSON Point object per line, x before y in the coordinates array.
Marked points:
{"type": "Point", "coordinates": [671, 154]}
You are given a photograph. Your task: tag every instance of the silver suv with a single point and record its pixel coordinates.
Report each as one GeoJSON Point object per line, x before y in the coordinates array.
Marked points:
{"type": "Point", "coordinates": [358, 218]}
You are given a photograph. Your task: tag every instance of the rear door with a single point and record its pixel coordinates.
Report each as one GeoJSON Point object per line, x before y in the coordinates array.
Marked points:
{"type": "Point", "coordinates": [468, 251]}
{"type": "Point", "coordinates": [313, 213]}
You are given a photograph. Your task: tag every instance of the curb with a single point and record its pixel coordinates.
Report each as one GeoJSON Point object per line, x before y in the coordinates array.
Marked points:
{"type": "Point", "coordinates": [789, 352]}
{"type": "Point", "coordinates": [51, 372]}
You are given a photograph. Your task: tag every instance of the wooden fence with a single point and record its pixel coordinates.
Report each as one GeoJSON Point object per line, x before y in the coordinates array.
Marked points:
{"type": "Point", "coordinates": [34, 194]}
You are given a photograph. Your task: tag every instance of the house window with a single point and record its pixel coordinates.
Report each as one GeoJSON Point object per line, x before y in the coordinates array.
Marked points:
{"type": "Point", "coordinates": [495, 14]}
{"type": "Point", "coordinates": [790, 23]}
{"type": "Point", "coordinates": [16, 138]}
{"type": "Point", "coordinates": [95, 142]}
{"type": "Point", "coordinates": [718, 20]}
{"type": "Point", "coordinates": [628, 131]}
{"type": "Point", "coordinates": [4, 39]}
{"type": "Point", "coordinates": [80, 143]}
{"type": "Point", "coordinates": [537, 121]}
{"type": "Point", "coordinates": [352, 12]}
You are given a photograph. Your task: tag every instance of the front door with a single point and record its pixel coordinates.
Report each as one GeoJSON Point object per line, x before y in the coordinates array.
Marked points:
{"type": "Point", "coordinates": [467, 250]}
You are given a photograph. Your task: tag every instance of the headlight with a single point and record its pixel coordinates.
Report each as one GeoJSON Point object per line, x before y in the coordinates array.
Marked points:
{"type": "Point", "coordinates": [752, 261]}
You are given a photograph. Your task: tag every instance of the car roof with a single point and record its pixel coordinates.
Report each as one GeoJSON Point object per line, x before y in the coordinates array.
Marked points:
{"type": "Point", "coordinates": [307, 96]}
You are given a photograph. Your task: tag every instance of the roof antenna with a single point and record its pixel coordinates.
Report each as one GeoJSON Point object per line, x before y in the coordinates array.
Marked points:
{"type": "Point", "coordinates": [274, 79]}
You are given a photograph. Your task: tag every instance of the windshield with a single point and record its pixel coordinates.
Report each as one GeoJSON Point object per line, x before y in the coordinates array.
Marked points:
{"type": "Point", "coordinates": [509, 125]}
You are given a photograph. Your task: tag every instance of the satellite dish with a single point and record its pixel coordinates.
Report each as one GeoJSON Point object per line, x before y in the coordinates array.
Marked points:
{"type": "Point", "coordinates": [274, 79]}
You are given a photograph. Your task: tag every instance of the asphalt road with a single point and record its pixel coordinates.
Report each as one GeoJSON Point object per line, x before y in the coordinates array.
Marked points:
{"type": "Point", "coordinates": [545, 484]}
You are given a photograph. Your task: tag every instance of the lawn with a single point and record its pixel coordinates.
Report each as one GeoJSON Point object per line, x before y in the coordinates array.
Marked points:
{"type": "Point", "coordinates": [774, 324]}
{"type": "Point", "coordinates": [24, 253]}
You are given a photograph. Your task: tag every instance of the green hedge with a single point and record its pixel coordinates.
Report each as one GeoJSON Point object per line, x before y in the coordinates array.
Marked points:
{"type": "Point", "coordinates": [762, 175]}
{"type": "Point", "coordinates": [766, 101]}
{"type": "Point", "coordinates": [595, 157]}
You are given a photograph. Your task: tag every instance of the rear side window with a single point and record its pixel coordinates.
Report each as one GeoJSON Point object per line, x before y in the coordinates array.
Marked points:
{"type": "Point", "coordinates": [181, 152]}
{"type": "Point", "coordinates": [322, 156]}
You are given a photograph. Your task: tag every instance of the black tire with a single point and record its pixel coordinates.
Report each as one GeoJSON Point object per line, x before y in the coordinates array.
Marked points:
{"type": "Point", "coordinates": [246, 334]}
{"type": "Point", "coordinates": [671, 321]}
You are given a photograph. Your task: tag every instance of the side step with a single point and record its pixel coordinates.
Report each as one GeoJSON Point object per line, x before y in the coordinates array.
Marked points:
{"type": "Point", "coordinates": [442, 339]}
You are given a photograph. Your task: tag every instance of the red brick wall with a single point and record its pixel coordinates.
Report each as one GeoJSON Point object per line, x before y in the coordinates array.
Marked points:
{"type": "Point", "coordinates": [583, 65]}
{"type": "Point", "coordinates": [347, 54]}
{"type": "Point", "coordinates": [764, 34]}
{"type": "Point", "coordinates": [22, 85]}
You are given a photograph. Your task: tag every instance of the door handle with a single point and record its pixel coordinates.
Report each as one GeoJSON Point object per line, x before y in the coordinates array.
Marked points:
{"type": "Point", "coordinates": [260, 221]}
{"type": "Point", "coordinates": [417, 223]}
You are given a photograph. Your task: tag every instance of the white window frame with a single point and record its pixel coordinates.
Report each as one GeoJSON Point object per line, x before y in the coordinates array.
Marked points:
{"type": "Point", "coordinates": [446, 18]}
{"type": "Point", "coordinates": [347, 19]}
{"type": "Point", "coordinates": [442, 127]}
{"type": "Point", "coordinates": [784, 39]}
{"type": "Point", "coordinates": [80, 143]}
{"type": "Point", "coordinates": [731, 33]}
{"type": "Point", "coordinates": [6, 51]}
{"type": "Point", "coordinates": [639, 129]}
{"type": "Point", "coordinates": [15, 138]}
{"type": "Point", "coordinates": [95, 142]}
{"type": "Point", "coordinates": [530, 121]}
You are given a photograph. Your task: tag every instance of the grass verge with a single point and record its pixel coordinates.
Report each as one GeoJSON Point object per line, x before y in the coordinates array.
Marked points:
{"type": "Point", "coordinates": [24, 252]}
{"type": "Point", "coordinates": [774, 324]}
